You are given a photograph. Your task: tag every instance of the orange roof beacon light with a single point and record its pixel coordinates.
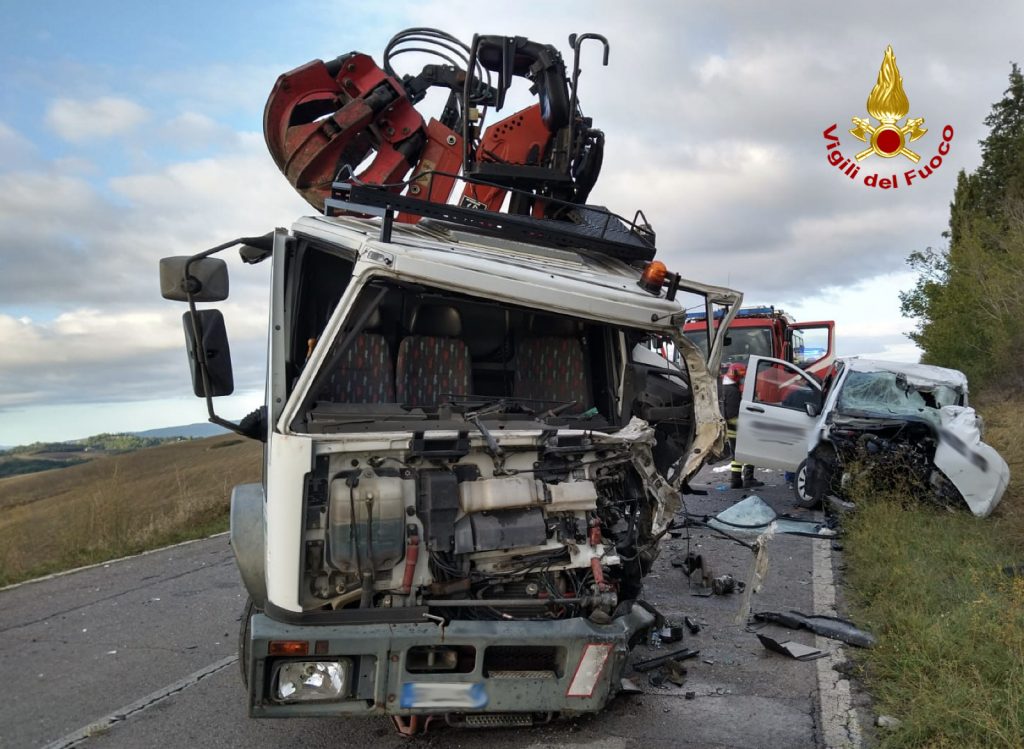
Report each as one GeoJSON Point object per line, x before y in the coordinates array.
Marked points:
{"type": "Point", "coordinates": [653, 277]}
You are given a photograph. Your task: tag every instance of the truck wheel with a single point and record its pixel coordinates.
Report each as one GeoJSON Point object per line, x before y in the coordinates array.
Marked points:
{"type": "Point", "coordinates": [802, 497]}
{"type": "Point", "coordinates": [244, 629]}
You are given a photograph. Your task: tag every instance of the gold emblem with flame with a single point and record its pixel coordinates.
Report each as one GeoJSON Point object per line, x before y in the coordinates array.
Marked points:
{"type": "Point", "coordinates": [888, 104]}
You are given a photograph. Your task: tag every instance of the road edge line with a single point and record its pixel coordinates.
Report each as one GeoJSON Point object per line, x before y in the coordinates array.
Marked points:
{"type": "Point", "coordinates": [94, 565]}
{"type": "Point", "coordinates": [76, 737]}
{"type": "Point", "coordinates": [838, 724]}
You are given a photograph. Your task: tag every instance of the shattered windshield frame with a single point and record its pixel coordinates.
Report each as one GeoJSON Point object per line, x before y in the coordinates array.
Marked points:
{"type": "Point", "coordinates": [889, 394]}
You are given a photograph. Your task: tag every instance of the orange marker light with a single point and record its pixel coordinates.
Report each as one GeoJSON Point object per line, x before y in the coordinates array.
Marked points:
{"type": "Point", "coordinates": [653, 277]}
{"type": "Point", "coordinates": [288, 647]}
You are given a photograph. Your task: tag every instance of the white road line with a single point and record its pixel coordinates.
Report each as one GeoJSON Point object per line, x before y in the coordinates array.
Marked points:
{"type": "Point", "coordinates": [838, 720]}
{"type": "Point", "coordinates": [62, 573]}
{"type": "Point", "coordinates": [75, 738]}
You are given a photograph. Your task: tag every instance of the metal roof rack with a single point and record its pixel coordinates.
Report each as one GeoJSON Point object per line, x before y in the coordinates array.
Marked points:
{"type": "Point", "coordinates": [592, 228]}
{"type": "Point", "coordinates": [744, 312]}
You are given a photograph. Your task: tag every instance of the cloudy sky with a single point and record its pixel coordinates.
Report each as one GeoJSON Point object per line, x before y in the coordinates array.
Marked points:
{"type": "Point", "coordinates": [130, 131]}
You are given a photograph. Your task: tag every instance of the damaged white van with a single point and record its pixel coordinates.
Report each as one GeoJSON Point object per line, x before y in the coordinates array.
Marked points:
{"type": "Point", "coordinates": [910, 423]}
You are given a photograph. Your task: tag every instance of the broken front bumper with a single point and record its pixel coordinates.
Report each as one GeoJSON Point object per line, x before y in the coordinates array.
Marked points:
{"type": "Point", "coordinates": [464, 668]}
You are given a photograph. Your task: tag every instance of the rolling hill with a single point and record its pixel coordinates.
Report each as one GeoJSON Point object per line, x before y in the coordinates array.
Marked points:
{"type": "Point", "coordinates": [119, 504]}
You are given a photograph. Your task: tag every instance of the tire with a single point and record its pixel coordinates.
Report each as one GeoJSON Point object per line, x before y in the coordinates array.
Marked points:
{"type": "Point", "coordinates": [800, 495]}
{"type": "Point", "coordinates": [245, 627]}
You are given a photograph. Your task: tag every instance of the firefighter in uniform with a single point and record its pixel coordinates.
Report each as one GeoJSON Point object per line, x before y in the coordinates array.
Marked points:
{"type": "Point", "coordinates": [742, 476]}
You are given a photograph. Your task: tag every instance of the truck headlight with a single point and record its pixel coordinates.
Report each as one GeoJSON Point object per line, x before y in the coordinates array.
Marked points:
{"type": "Point", "coordinates": [307, 681]}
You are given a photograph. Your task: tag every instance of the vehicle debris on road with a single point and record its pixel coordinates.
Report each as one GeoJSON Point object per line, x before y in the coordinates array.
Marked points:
{"type": "Point", "coordinates": [708, 583]}
{"type": "Point", "coordinates": [792, 649]}
{"type": "Point", "coordinates": [676, 655]}
{"type": "Point", "coordinates": [826, 626]}
{"type": "Point", "coordinates": [755, 516]}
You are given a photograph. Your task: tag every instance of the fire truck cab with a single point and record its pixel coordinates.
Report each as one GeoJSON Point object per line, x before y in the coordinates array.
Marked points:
{"type": "Point", "coordinates": [766, 331]}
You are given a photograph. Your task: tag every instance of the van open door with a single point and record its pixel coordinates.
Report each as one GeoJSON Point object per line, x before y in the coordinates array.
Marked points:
{"type": "Point", "coordinates": [813, 346]}
{"type": "Point", "coordinates": [778, 412]}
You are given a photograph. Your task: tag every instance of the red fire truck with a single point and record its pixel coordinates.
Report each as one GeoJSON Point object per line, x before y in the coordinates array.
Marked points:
{"type": "Point", "coordinates": [766, 331]}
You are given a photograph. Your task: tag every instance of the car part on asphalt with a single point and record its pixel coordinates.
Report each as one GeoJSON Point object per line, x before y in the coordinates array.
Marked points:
{"type": "Point", "coordinates": [671, 633]}
{"type": "Point", "coordinates": [826, 626]}
{"type": "Point", "coordinates": [723, 585]}
{"type": "Point", "coordinates": [755, 516]}
{"type": "Point", "coordinates": [677, 655]}
{"type": "Point", "coordinates": [791, 649]}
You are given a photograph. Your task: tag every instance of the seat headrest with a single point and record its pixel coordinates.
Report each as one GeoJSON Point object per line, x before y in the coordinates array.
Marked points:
{"type": "Point", "coordinates": [553, 327]}
{"type": "Point", "coordinates": [436, 320]}
{"type": "Point", "coordinates": [372, 322]}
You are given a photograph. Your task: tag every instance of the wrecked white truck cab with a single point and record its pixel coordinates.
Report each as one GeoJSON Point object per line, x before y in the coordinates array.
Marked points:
{"type": "Point", "coordinates": [910, 424]}
{"type": "Point", "coordinates": [468, 440]}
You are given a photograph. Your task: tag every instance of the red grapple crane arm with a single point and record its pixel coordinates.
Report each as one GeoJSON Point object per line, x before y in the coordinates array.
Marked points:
{"type": "Point", "coordinates": [323, 120]}
{"type": "Point", "coordinates": [321, 117]}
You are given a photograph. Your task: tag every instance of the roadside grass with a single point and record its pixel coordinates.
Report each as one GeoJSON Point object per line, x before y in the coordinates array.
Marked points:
{"type": "Point", "coordinates": [120, 505]}
{"type": "Point", "coordinates": [950, 623]}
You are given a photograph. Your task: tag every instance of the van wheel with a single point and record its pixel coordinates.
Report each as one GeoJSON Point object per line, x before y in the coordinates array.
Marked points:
{"type": "Point", "coordinates": [800, 493]}
{"type": "Point", "coordinates": [245, 627]}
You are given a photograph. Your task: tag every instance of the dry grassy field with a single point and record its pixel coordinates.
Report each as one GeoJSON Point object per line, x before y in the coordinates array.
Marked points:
{"type": "Point", "coordinates": [120, 504]}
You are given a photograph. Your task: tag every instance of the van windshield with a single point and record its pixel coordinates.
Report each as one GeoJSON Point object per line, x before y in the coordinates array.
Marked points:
{"type": "Point", "coordinates": [889, 394]}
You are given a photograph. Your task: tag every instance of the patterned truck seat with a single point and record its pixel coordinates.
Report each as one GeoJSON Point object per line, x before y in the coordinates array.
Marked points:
{"type": "Point", "coordinates": [433, 361]}
{"type": "Point", "coordinates": [366, 372]}
{"type": "Point", "coordinates": [552, 367]}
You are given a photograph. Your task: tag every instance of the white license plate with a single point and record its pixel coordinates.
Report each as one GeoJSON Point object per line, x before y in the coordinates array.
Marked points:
{"type": "Point", "coordinates": [443, 695]}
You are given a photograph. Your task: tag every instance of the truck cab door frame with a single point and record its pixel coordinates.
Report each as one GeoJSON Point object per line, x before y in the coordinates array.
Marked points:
{"type": "Point", "coordinates": [774, 425]}
{"type": "Point", "coordinates": [278, 334]}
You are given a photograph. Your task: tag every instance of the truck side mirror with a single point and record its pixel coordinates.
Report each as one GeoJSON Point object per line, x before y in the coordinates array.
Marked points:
{"type": "Point", "coordinates": [811, 408]}
{"type": "Point", "coordinates": [208, 351]}
{"type": "Point", "coordinates": [207, 279]}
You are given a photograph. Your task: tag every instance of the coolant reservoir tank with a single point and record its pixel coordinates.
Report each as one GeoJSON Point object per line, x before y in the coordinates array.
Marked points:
{"type": "Point", "coordinates": [351, 535]}
{"type": "Point", "coordinates": [500, 493]}
{"type": "Point", "coordinates": [486, 495]}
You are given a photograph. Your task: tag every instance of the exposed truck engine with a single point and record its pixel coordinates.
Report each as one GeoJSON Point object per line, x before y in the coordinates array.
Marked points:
{"type": "Point", "coordinates": [472, 450]}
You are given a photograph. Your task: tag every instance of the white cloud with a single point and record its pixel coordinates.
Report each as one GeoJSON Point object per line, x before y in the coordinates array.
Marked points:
{"type": "Point", "coordinates": [78, 120]}
{"type": "Point", "coordinates": [192, 130]}
{"type": "Point", "coordinates": [84, 320]}
{"type": "Point", "coordinates": [16, 151]}
{"type": "Point", "coordinates": [898, 351]}
{"type": "Point", "coordinates": [83, 244]}
{"type": "Point", "coordinates": [89, 354]}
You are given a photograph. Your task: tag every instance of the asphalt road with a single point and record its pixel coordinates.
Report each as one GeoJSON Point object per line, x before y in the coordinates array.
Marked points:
{"type": "Point", "coordinates": [149, 640]}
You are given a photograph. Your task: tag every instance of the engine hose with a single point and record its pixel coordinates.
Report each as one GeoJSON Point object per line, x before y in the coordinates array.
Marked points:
{"type": "Point", "coordinates": [353, 530]}
{"type": "Point", "coordinates": [366, 601]}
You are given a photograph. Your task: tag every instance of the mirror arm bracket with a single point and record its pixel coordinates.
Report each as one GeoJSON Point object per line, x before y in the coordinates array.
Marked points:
{"type": "Point", "coordinates": [192, 287]}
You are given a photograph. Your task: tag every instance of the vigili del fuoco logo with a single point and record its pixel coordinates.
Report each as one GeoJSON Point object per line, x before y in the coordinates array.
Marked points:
{"type": "Point", "coordinates": [887, 105]}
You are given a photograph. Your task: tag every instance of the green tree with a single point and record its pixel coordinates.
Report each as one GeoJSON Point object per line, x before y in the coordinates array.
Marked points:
{"type": "Point", "coordinates": [969, 298]}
